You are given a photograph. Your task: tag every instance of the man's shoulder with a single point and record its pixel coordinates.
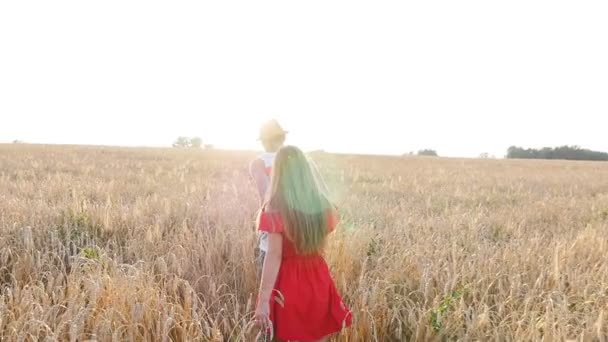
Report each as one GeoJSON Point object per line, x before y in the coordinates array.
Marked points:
{"type": "Point", "coordinates": [267, 158]}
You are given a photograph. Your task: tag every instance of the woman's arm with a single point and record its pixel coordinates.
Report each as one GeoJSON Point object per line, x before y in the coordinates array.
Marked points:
{"type": "Point", "coordinates": [272, 263]}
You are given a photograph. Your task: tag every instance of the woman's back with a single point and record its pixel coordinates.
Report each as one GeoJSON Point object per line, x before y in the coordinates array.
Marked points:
{"type": "Point", "coordinates": [271, 221]}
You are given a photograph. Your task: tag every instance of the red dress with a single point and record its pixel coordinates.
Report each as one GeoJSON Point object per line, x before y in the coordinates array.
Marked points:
{"type": "Point", "coordinates": [312, 307]}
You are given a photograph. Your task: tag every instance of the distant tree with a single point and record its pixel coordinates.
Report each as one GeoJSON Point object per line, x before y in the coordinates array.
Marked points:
{"type": "Point", "coordinates": [209, 147]}
{"type": "Point", "coordinates": [186, 142]}
{"type": "Point", "coordinates": [484, 155]}
{"type": "Point", "coordinates": [427, 152]}
{"type": "Point", "coordinates": [196, 142]}
{"type": "Point", "coordinates": [17, 141]}
{"type": "Point", "coordinates": [182, 142]}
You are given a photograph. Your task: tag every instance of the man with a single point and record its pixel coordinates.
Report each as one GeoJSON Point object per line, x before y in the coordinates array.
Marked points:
{"type": "Point", "coordinates": [272, 136]}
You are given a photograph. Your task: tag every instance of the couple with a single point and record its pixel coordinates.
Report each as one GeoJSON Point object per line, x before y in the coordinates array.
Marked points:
{"type": "Point", "coordinates": [297, 299]}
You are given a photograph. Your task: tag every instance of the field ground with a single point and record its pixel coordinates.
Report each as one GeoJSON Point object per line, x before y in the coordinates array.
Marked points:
{"type": "Point", "coordinates": [157, 244]}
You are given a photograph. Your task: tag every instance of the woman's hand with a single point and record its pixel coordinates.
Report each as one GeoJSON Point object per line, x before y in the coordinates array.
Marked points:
{"type": "Point", "coordinates": [262, 315]}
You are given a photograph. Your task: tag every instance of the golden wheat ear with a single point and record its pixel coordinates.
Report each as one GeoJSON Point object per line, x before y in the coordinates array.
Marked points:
{"type": "Point", "coordinates": [279, 298]}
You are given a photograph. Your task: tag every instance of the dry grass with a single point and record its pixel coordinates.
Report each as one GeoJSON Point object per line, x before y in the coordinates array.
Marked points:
{"type": "Point", "coordinates": [154, 244]}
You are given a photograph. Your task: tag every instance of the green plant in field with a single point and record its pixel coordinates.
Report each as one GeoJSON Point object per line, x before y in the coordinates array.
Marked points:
{"type": "Point", "coordinates": [446, 304]}
{"type": "Point", "coordinates": [79, 224]}
{"type": "Point", "coordinates": [75, 219]}
{"type": "Point", "coordinates": [604, 214]}
{"type": "Point", "coordinates": [372, 248]}
{"type": "Point", "coordinates": [90, 253]}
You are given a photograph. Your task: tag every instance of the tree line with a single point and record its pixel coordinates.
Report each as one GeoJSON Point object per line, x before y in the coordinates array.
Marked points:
{"type": "Point", "coordinates": [562, 152]}
{"type": "Point", "coordinates": [514, 152]}
{"type": "Point", "coordinates": [186, 142]}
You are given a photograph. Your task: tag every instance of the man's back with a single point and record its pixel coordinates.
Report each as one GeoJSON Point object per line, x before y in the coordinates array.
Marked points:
{"type": "Point", "coordinates": [272, 137]}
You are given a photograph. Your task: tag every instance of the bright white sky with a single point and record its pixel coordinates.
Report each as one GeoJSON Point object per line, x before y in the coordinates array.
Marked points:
{"type": "Point", "coordinates": [462, 77]}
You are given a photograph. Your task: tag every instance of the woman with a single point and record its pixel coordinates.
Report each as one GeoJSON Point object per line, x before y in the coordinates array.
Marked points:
{"type": "Point", "coordinates": [297, 294]}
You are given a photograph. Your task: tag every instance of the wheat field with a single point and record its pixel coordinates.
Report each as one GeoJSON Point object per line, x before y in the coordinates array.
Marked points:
{"type": "Point", "coordinates": [114, 244]}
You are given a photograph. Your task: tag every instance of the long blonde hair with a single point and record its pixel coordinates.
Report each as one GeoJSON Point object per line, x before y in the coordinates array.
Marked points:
{"type": "Point", "coordinates": [298, 195]}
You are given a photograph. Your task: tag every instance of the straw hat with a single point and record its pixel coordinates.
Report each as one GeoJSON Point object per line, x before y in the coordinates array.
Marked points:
{"type": "Point", "coordinates": [270, 130]}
